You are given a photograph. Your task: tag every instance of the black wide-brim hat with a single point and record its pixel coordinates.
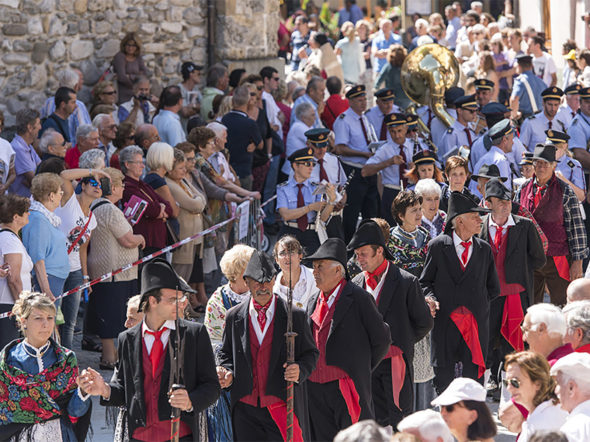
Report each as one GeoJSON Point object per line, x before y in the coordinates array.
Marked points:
{"type": "Point", "coordinates": [261, 267]}
{"type": "Point", "coordinates": [544, 152]}
{"type": "Point", "coordinates": [333, 249]}
{"type": "Point", "coordinates": [369, 233]}
{"type": "Point", "coordinates": [489, 171]}
{"type": "Point", "coordinates": [495, 188]}
{"type": "Point", "coordinates": [159, 274]}
{"type": "Point", "coordinates": [458, 205]}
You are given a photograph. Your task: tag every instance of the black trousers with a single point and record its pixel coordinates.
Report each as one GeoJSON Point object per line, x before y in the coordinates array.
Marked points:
{"type": "Point", "coordinates": [386, 203]}
{"type": "Point", "coordinates": [327, 410]}
{"type": "Point", "coordinates": [557, 286]}
{"type": "Point", "coordinates": [254, 424]}
{"type": "Point", "coordinates": [362, 198]}
{"type": "Point", "coordinates": [386, 412]}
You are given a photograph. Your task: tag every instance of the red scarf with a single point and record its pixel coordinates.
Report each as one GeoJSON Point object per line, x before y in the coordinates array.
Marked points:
{"type": "Point", "coordinates": [261, 310]}
{"type": "Point", "coordinates": [372, 278]}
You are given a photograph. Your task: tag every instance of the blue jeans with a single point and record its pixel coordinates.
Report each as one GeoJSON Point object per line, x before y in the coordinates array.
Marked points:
{"type": "Point", "coordinates": [270, 188]}
{"type": "Point", "coordinates": [56, 285]}
{"type": "Point", "coordinates": [69, 307]}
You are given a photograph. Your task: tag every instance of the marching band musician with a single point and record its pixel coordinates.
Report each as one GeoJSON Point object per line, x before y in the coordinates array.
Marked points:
{"type": "Point", "coordinates": [383, 107]}
{"type": "Point", "coordinates": [568, 169]}
{"type": "Point", "coordinates": [532, 131]}
{"type": "Point", "coordinates": [460, 134]}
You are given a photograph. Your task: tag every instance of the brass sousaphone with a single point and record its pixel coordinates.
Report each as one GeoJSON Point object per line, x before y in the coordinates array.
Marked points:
{"type": "Point", "coordinates": [427, 72]}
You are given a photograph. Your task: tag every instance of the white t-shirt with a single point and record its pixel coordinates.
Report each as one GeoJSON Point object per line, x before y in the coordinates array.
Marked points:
{"type": "Point", "coordinates": [73, 221]}
{"type": "Point", "coordinates": [6, 159]}
{"type": "Point", "coordinates": [544, 67]}
{"type": "Point", "coordinates": [11, 244]}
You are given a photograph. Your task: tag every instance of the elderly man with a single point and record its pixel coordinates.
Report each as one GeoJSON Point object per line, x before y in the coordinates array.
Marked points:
{"type": "Point", "coordinates": [381, 43]}
{"type": "Point", "coordinates": [296, 139]}
{"type": "Point", "coordinates": [532, 131]}
{"type": "Point", "coordinates": [579, 289]}
{"type": "Point", "coordinates": [544, 329]}
{"type": "Point", "coordinates": [86, 138]}
{"type": "Point", "coordinates": [107, 132]}
{"type": "Point", "coordinates": [572, 374]}
{"type": "Point", "coordinates": [139, 109]}
{"type": "Point", "coordinates": [577, 317]}
{"type": "Point", "coordinates": [167, 120]}
{"type": "Point", "coordinates": [352, 339]}
{"type": "Point", "coordinates": [427, 425]}
{"type": "Point", "coordinates": [52, 146]}
{"type": "Point", "coordinates": [400, 300]}
{"type": "Point", "coordinates": [146, 135]}
{"type": "Point", "coordinates": [26, 158]}
{"type": "Point", "coordinates": [555, 207]}
{"type": "Point", "coordinates": [460, 274]}
{"type": "Point", "coordinates": [314, 95]}
{"type": "Point", "coordinates": [253, 360]}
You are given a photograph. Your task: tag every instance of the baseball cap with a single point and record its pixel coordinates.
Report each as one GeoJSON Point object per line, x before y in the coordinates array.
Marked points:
{"type": "Point", "coordinates": [461, 389]}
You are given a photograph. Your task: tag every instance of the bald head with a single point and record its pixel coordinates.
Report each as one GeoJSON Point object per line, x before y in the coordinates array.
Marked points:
{"type": "Point", "coordinates": [578, 290]}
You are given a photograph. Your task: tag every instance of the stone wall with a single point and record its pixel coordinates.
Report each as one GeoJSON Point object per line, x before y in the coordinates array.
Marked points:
{"type": "Point", "coordinates": [39, 37]}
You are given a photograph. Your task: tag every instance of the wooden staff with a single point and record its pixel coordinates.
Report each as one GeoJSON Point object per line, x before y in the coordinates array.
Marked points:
{"type": "Point", "coordinates": [175, 374]}
{"type": "Point", "coordinates": [290, 335]}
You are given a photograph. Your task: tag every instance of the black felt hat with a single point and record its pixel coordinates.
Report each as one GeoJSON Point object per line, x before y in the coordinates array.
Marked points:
{"type": "Point", "coordinates": [261, 267]}
{"type": "Point", "coordinates": [458, 205]}
{"type": "Point", "coordinates": [544, 152]}
{"type": "Point", "coordinates": [333, 249]}
{"type": "Point", "coordinates": [489, 171]}
{"type": "Point", "coordinates": [494, 187]}
{"type": "Point", "coordinates": [159, 274]}
{"type": "Point", "coordinates": [369, 233]}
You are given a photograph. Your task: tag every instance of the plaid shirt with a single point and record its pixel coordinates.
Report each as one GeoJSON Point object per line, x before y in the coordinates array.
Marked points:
{"type": "Point", "coordinates": [572, 221]}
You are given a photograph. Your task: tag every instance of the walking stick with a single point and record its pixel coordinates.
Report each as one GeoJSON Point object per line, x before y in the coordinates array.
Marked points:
{"type": "Point", "coordinates": [175, 375]}
{"type": "Point", "coordinates": [290, 335]}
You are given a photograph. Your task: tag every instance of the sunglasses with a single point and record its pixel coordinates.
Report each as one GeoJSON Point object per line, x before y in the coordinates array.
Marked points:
{"type": "Point", "coordinates": [259, 87]}
{"type": "Point", "coordinates": [276, 78]}
{"type": "Point", "coordinates": [94, 183]}
{"type": "Point", "coordinates": [451, 407]}
{"type": "Point", "coordinates": [306, 163]}
{"type": "Point", "coordinates": [253, 94]}
{"type": "Point", "coordinates": [109, 93]}
{"type": "Point", "coordinates": [514, 382]}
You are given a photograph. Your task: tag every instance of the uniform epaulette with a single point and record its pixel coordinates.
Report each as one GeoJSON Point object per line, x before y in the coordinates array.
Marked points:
{"type": "Point", "coordinates": [284, 183]}
{"type": "Point", "coordinates": [571, 164]}
{"type": "Point", "coordinates": [450, 130]}
{"type": "Point", "coordinates": [342, 115]}
{"type": "Point", "coordinates": [531, 117]}
{"type": "Point", "coordinates": [314, 183]}
{"type": "Point", "coordinates": [574, 121]}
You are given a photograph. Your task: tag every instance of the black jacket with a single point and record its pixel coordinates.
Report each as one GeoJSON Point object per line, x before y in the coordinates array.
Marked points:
{"type": "Point", "coordinates": [200, 376]}
{"type": "Point", "coordinates": [359, 339]}
{"type": "Point", "coordinates": [473, 288]}
{"type": "Point", "coordinates": [235, 355]}
{"type": "Point", "coordinates": [524, 253]}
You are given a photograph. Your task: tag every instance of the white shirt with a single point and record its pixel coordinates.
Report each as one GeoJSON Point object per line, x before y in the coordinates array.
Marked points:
{"type": "Point", "coordinates": [149, 339]}
{"type": "Point", "coordinates": [272, 112]}
{"type": "Point", "coordinates": [493, 226]}
{"type": "Point", "coordinates": [304, 288]}
{"type": "Point", "coordinates": [577, 425]}
{"type": "Point", "coordinates": [270, 312]}
{"type": "Point", "coordinates": [333, 295]}
{"type": "Point", "coordinates": [9, 244]}
{"type": "Point", "coordinates": [7, 157]}
{"type": "Point", "coordinates": [375, 293]}
{"type": "Point", "coordinates": [459, 248]}
{"type": "Point", "coordinates": [546, 416]}
{"type": "Point", "coordinates": [544, 67]}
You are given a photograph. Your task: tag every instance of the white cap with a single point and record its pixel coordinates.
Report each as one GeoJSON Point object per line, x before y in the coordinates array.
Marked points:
{"type": "Point", "coordinates": [461, 389]}
{"type": "Point", "coordinates": [575, 365]}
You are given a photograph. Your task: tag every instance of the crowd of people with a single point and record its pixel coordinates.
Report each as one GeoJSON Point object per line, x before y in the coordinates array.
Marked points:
{"type": "Point", "coordinates": [421, 258]}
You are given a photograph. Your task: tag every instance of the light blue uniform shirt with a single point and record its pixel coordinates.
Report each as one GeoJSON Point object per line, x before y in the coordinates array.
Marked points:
{"type": "Point", "coordinates": [533, 129]}
{"type": "Point", "coordinates": [495, 156]}
{"type": "Point", "coordinates": [390, 175]}
{"type": "Point", "coordinates": [579, 132]}
{"type": "Point", "coordinates": [348, 131]}
{"type": "Point", "coordinates": [455, 136]}
{"type": "Point", "coordinates": [478, 150]}
{"type": "Point", "coordinates": [572, 170]}
{"type": "Point", "coordinates": [169, 127]}
{"type": "Point", "coordinates": [287, 196]}
{"type": "Point", "coordinates": [376, 117]}
{"type": "Point", "coordinates": [519, 90]}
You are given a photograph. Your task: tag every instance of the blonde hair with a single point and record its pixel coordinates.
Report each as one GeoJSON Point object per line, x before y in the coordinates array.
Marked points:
{"type": "Point", "coordinates": [44, 185]}
{"type": "Point", "coordinates": [234, 261]}
{"type": "Point", "coordinates": [537, 369]}
{"type": "Point", "coordinates": [27, 301]}
{"type": "Point", "coordinates": [116, 176]}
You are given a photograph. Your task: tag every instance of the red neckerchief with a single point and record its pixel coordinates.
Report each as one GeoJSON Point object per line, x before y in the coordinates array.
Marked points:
{"type": "Point", "coordinates": [372, 278]}
{"type": "Point", "coordinates": [261, 310]}
{"type": "Point", "coordinates": [324, 308]}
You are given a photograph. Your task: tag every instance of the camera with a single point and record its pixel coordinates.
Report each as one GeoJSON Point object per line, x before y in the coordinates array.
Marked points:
{"type": "Point", "coordinates": [143, 97]}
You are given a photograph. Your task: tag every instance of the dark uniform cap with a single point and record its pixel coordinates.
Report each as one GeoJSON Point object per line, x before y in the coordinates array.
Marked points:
{"type": "Point", "coordinates": [500, 129]}
{"type": "Point", "coordinates": [305, 154]}
{"type": "Point", "coordinates": [524, 58]}
{"type": "Point", "coordinates": [527, 158]}
{"type": "Point", "coordinates": [424, 157]}
{"type": "Point", "coordinates": [412, 121]}
{"type": "Point", "coordinates": [369, 233]}
{"type": "Point", "coordinates": [484, 83]}
{"type": "Point", "coordinates": [585, 92]}
{"type": "Point", "coordinates": [556, 136]}
{"type": "Point", "coordinates": [385, 94]}
{"type": "Point", "coordinates": [466, 102]}
{"type": "Point", "coordinates": [489, 171]}
{"type": "Point", "coordinates": [188, 67]}
{"type": "Point", "coordinates": [458, 205]}
{"type": "Point", "coordinates": [395, 119]}
{"type": "Point", "coordinates": [356, 91]}
{"type": "Point", "coordinates": [572, 89]}
{"type": "Point", "coordinates": [544, 152]}
{"type": "Point", "coordinates": [159, 274]}
{"type": "Point", "coordinates": [494, 187]}
{"type": "Point", "coordinates": [318, 136]}
{"type": "Point", "coordinates": [494, 108]}
{"type": "Point", "coordinates": [452, 93]}
{"type": "Point", "coordinates": [333, 249]}
{"type": "Point", "coordinates": [552, 93]}
{"type": "Point", "coordinates": [261, 267]}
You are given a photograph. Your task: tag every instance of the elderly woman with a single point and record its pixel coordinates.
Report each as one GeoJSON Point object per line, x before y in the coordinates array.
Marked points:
{"type": "Point", "coordinates": [531, 386]}
{"type": "Point", "coordinates": [44, 241]}
{"type": "Point", "coordinates": [14, 215]}
{"type": "Point", "coordinates": [39, 377]}
{"type": "Point", "coordinates": [92, 159]}
{"type": "Point", "coordinates": [113, 245]}
{"type": "Point", "coordinates": [433, 219]}
{"type": "Point", "coordinates": [150, 223]}
{"type": "Point", "coordinates": [464, 409]}
{"type": "Point", "coordinates": [188, 259]}
{"type": "Point", "coordinates": [294, 276]}
{"type": "Point", "coordinates": [104, 93]}
{"type": "Point", "coordinates": [128, 66]}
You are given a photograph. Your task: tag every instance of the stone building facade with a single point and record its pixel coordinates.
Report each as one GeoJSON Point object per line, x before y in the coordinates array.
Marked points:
{"type": "Point", "coordinates": [40, 37]}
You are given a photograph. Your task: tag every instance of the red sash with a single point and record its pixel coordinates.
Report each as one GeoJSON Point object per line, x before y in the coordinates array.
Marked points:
{"type": "Point", "coordinates": [467, 325]}
{"type": "Point", "coordinates": [512, 317]}
{"type": "Point", "coordinates": [398, 371]}
{"type": "Point", "coordinates": [563, 266]}
{"type": "Point", "coordinates": [278, 412]}
{"type": "Point", "coordinates": [351, 397]}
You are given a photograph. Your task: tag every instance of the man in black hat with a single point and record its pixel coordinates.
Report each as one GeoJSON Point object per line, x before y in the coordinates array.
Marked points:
{"type": "Point", "coordinates": [518, 252]}
{"type": "Point", "coordinates": [568, 169]}
{"type": "Point", "coordinates": [253, 360]}
{"type": "Point", "coordinates": [297, 204]}
{"type": "Point", "coordinates": [143, 378]}
{"type": "Point", "coordinates": [460, 134]}
{"type": "Point", "coordinates": [400, 300]}
{"type": "Point", "coordinates": [532, 131]}
{"type": "Point", "coordinates": [460, 274]}
{"type": "Point", "coordinates": [525, 99]}
{"type": "Point", "coordinates": [383, 107]}
{"type": "Point", "coordinates": [354, 133]}
{"type": "Point", "coordinates": [501, 135]}
{"type": "Point", "coordinates": [391, 161]}
{"type": "Point", "coordinates": [579, 130]}
{"type": "Point", "coordinates": [555, 207]}
{"type": "Point", "coordinates": [352, 339]}
{"type": "Point", "coordinates": [486, 173]}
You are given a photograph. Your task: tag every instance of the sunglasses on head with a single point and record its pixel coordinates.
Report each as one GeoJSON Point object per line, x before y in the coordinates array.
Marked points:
{"type": "Point", "coordinates": [514, 382]}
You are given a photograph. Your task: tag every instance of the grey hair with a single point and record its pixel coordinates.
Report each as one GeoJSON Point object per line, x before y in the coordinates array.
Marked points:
{"type": "Point", "coordinates": [215, 73]}
{"type": "Point", "coordinates": [24, 117]}
{"type": "Point", "coordinates": [303, 109]}
{"type": "Point", "coordinates": [68, 78]}
{"type": "Point", "coordinates": [550, 315]}
{"type": "Point", "coordinates": [217, 127]}
{"type": "Point", "coordinates": [98, 121]}
{"type": "Point", "coordinates": [428, 186]}
{"type": "Point", "coordinates": [429, 424]}
{"type": "Point", "coordinates": [241, 96]}
{"type": "Point", "coordinates": [313, 83]}
{"type": "Point", "coordinates": [127, 154]}
{"type": "Point", "coordinates": [577, 315]}
{"type": "Point", "coordinates": [363, 431]}
{"type": "Point", "coordinates": [297, 92]}
{"type": "Point", "coordinates": [92, 159]}
{"type": "Point", "coordinates": [47, 139]}
{"type": "Point", "coordinates": [341, 268]}
{"type": "Point", "coordinates": [84, 130]}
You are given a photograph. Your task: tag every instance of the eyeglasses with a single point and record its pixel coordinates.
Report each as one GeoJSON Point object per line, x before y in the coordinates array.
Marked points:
{"type": "Point", "coordinates": [182, 298]}
{"type": "Point", "coordinates": [109, 93]}
{"type": "Point", "coordinates": [514, 382]}
{"type": "Point", "coordinates": [260, 87]}
{"type": "Point", "coordinates": [306, 163]}
{"type": "Point", "coordinates": [276, 78]}
{"type": "Point", "coordinates": [135, 162]}
{"type": "Point", "coordinates": [192, 159]}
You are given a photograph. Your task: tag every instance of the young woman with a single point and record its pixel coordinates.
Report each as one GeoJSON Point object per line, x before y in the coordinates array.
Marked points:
{"type": "Point", "coordinates": [457, 172]}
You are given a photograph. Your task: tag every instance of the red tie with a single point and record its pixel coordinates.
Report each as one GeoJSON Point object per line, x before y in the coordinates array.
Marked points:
{"type": "Point", "coordinates": [498, 237]}
{"type": "Point", "coordinates": [538, 196]}
{"type": "Point", "coordinates": [372, 279]}
{"type": "Point", "coordinates": [468, 136]}
{"type": "Point", "coordinates": [465, 254]}
{"type": "Point", "coordinates": [383, 133]}
{"type": "Point", "coordinates": [324, 308]}
{"type": "Point", "coordinates": [157, 348]}
{"type": "Point", "coordinates": [302, 220]}
{"type": "Point", "coordinates": [364, 129]}
{"type": "Point", "coordinates": [402, 167]}
{"type": "Point", "coordinates": [323, 174]}
{"type": "Point", "coordinates": [550, 123]}
{"type": "Point", "coordinates": [261, 310]}
{"type": "Point", "coordinates": [573, 114]}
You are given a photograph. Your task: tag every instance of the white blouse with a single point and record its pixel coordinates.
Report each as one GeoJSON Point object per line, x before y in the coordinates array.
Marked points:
{"type": "Point", "coordinates": [304, 289]}
{"type": "Point", "coordinates": [546, 416]}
